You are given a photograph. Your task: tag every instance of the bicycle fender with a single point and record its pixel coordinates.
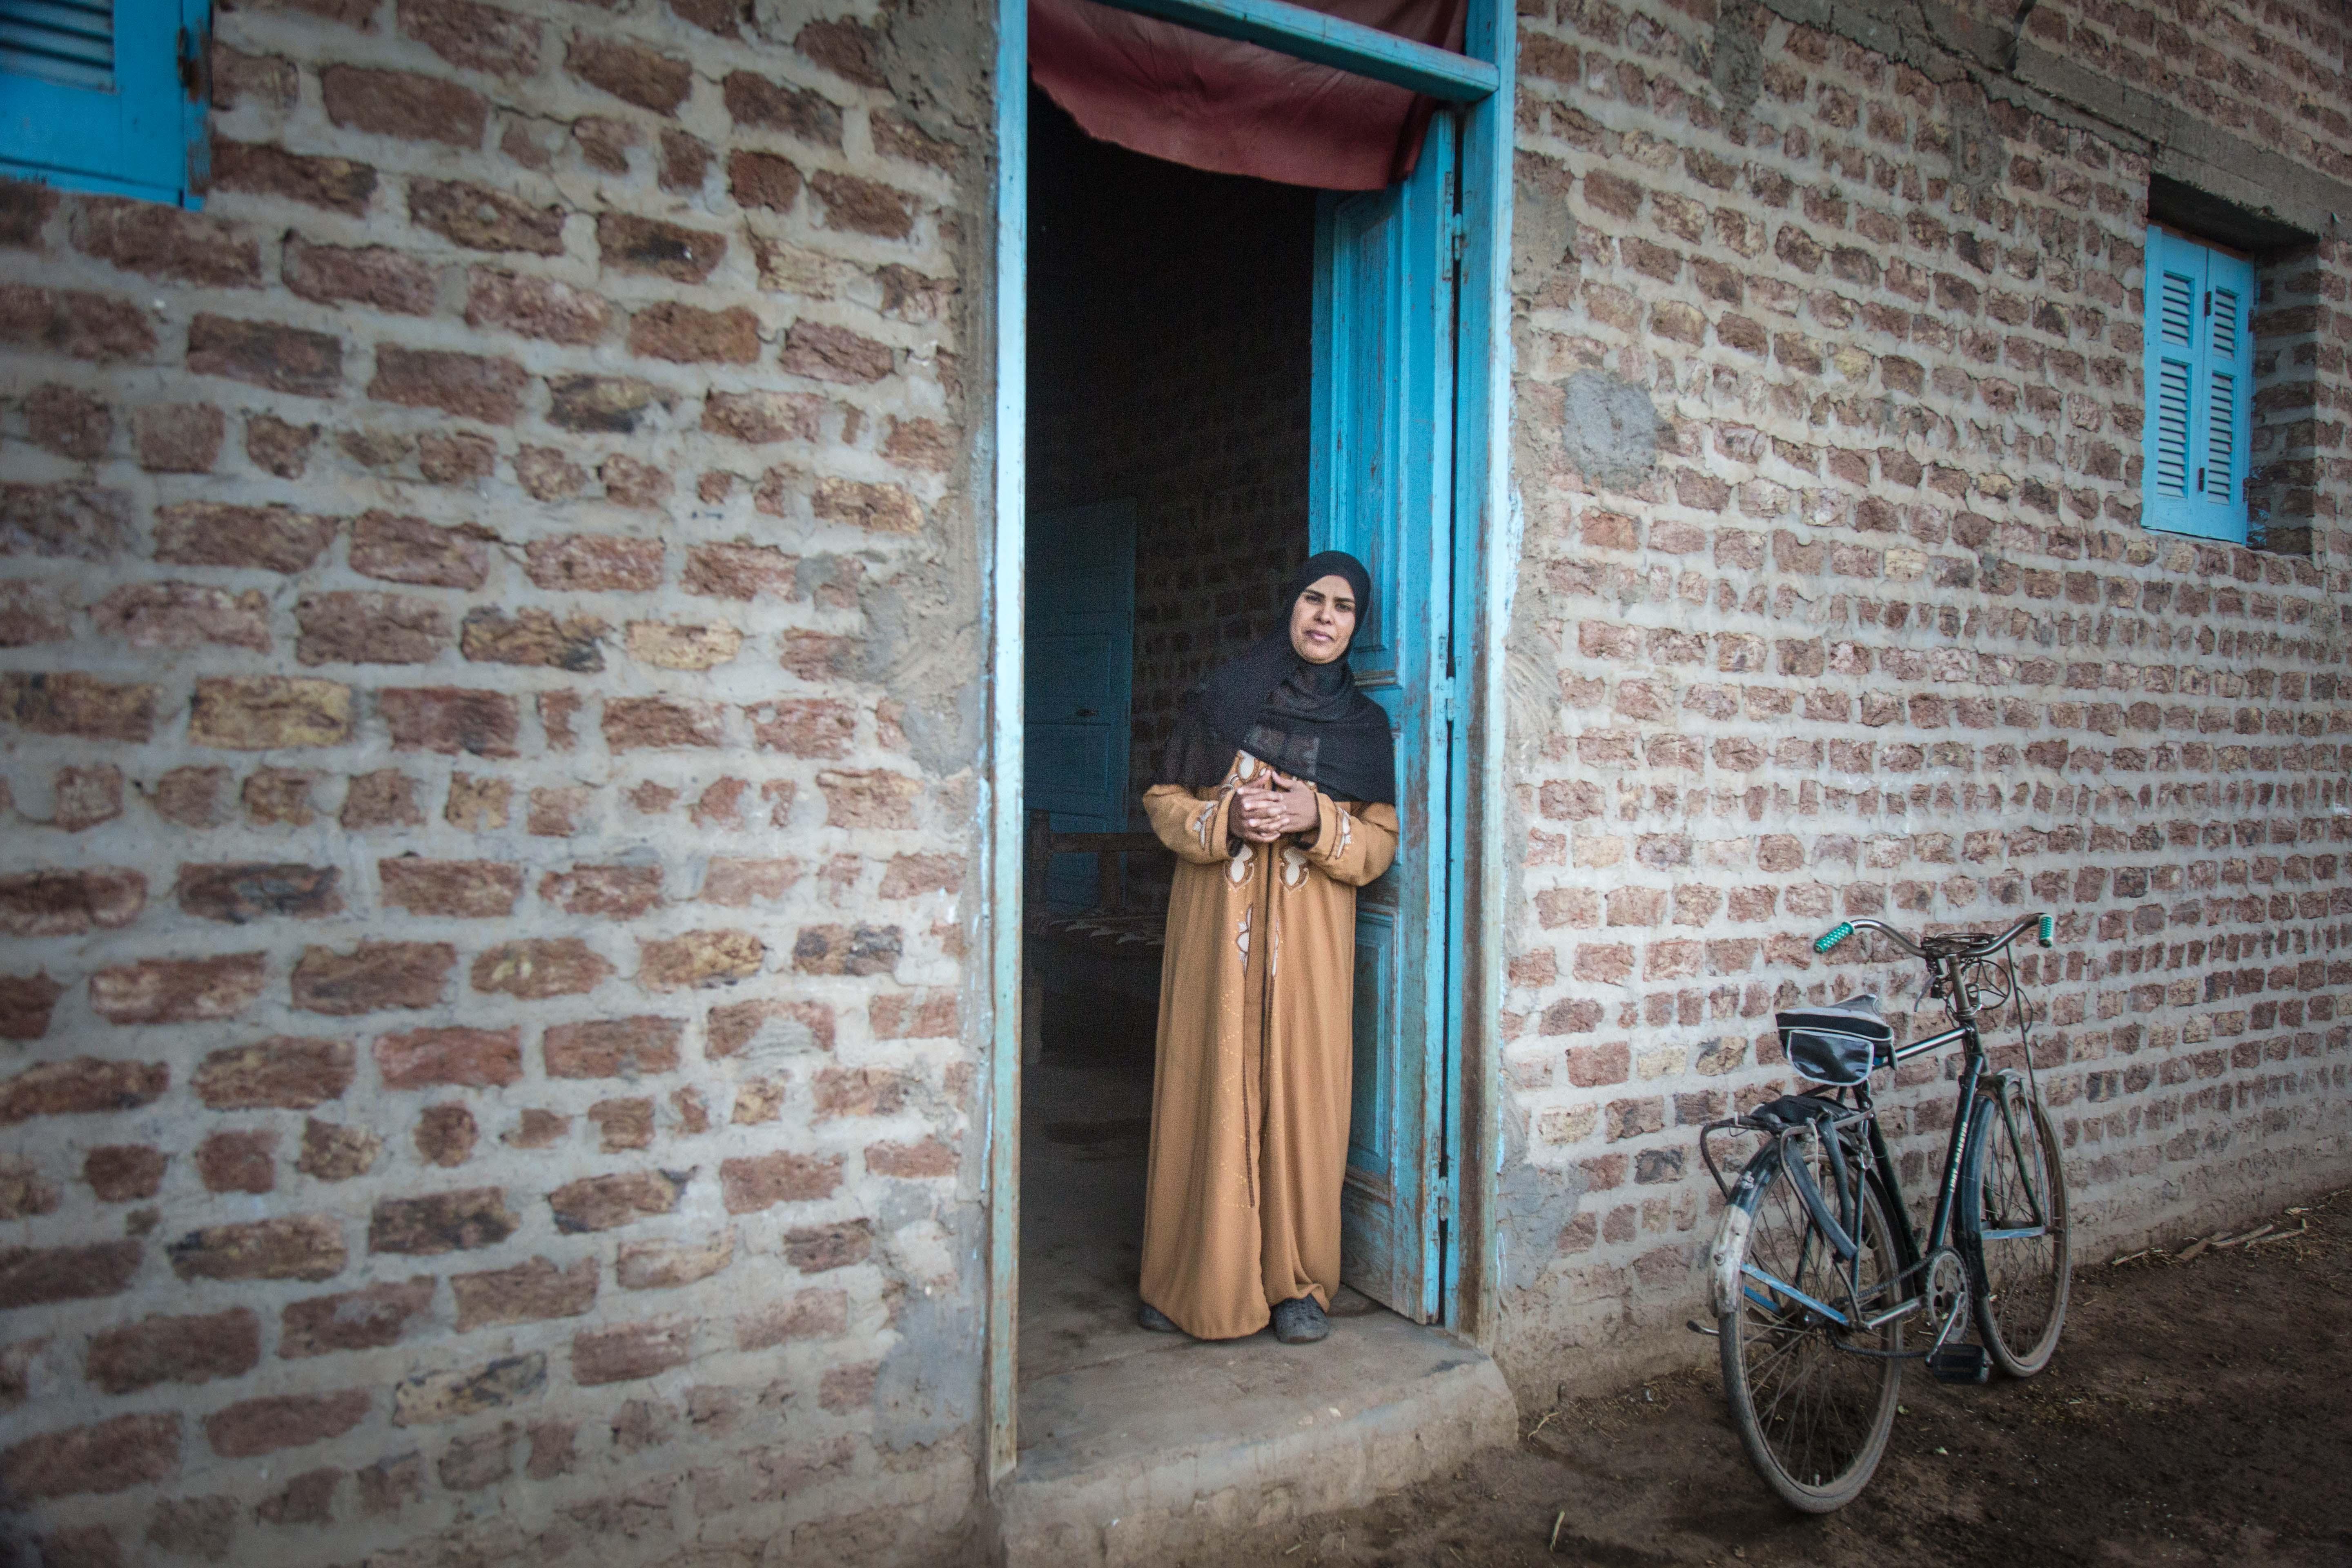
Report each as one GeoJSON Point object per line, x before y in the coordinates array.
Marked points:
{"type": "Point", "coordinates": [1723, 1263]}
{"type": "Point", "coordinates": [1731, 1237]}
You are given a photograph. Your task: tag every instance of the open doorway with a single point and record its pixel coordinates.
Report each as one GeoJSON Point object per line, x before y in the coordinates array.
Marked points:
{"type": "Point", "coordinates": [1170, 389]}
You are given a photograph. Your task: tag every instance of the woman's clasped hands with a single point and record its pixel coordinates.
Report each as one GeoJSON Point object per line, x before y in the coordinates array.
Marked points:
{"type": "Point", "coordinates": [1274, 805]}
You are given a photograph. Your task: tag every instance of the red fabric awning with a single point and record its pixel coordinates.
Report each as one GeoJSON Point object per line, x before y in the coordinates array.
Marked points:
{"type": "Point", "coordinates": [1160, 89]}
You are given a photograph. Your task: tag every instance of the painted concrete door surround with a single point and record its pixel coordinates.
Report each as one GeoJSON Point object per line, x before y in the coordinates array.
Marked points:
{"type": "Point", "coordinates": [1409, 470]}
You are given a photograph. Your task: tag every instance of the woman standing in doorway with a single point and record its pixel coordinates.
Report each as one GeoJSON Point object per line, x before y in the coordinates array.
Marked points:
{"type": "Point", "coordinates": [1278, 793]}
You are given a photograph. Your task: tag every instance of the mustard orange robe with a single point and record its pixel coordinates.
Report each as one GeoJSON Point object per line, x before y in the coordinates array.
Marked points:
{"type": "Point", "coordinates": [1249, 1105]}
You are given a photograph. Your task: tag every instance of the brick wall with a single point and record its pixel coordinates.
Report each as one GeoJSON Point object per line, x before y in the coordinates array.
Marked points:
{"type": "Point", "coordinates": [1877, 632]}
{"type": "Point", "coordinates": [486, 1069]}
{"type": "Point", "coordinates": [1172, 319]}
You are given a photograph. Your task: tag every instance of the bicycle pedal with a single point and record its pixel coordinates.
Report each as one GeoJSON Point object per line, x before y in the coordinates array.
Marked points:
{"type": "Point", "coordinates": [1960, 1363]}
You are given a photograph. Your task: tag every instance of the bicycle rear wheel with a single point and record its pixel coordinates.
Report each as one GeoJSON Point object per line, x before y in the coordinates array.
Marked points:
{"type": "Point", "coordinates": [1812, 1414]}
{"type": "Point", "coordinates": [2014, 1223]}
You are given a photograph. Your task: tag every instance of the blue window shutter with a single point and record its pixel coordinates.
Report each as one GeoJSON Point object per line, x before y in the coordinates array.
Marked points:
{"type": "Point", "coordinates": [106, 95]}
{"type": "Point", "coordinates": [2198, 371]}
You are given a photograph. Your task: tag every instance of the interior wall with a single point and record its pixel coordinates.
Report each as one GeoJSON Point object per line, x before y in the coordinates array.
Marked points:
{"type": "Point", "coordinates": [1170, 333]}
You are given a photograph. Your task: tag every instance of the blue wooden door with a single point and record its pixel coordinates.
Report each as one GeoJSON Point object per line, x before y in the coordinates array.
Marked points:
{"type": "Point", "coordinates": [1382, 486]}
{"type": "Point", "coordinates": [1081, 674]}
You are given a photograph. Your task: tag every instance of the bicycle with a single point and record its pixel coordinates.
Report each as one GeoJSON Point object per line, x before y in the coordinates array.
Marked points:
{"type": "Point", "coordinates": [1812, 1290]}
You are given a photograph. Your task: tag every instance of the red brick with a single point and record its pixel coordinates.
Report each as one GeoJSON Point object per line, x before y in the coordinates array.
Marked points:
{"type": "Point", "coordinates": [612, 892]}
{"type": "Point", "coordinates": [698, 959]}
{"type": "Point", "coordinates": [533, 637]}
{"type": "Point", "coordinates": [611, 404]}
{"type": "Point", "coordinates": [25, 1004]}
{"type": "Point", "coordinates": [174, 1349]}
{"type": "Point", "coordinates": [456, 457]}
{"type": "Point", "coordinates": [177, 991]}
{"type": "Point", "coordinates": [528, 1292]}
{"type": "Point", "coordinates": [614, 1047]}
{"type": "Point", "coordinates": [120, 1172]}
{"type": "Point", "coordinates": [398, 549]}
{"type": "Point", "coordinates": [68, 904]}
{"type": "Point", "coordinates": [473, 386]}
{"type": "Point", "coordinates": [183, 615]}
{"type": "Point", "coordinates": [803, 727]}
{"type": "Point", "coordinates": [895, 137]}
{"type": "Point", "coordinates": [626, 1354]}
{"type": "Point", "coordinates": [910, 1161]}
{"type": "Point", "coordinates": [77, 522]}
{"type": "Point", "coordinates": [450, 720]}
{"type": "Point", "coordinates": [445, 1134]}
{"type": "Point", "coordinates": [478, 38]}
{"type": "Point", "coordinates": [806, 1315]}
{"type": "Point", "coordinates": [277, 795]}
{"type": "Point", "coordinates": [372, 275]}
{"type": "Point", "coordinates": [106, 1457]}
{"type": "Point", "coordinates": [623, 1124]}
{"type": "Point", "coordinates": [826, 353]}
{"type": "Point", "coordinates": [688, 335]}
{"type": "Point", "coordinates": [843, 45]}
{"type": "Point", "coordinates": [478, 804]}
{"type": "Point", "coordinates": [539, 967]}
{"type": "Point", "coordinates": [864, 207]}
{"type": "Point", "coordinates": [535, 307]}
{"type": "Point", "coordinates": [336, 1154]}
{"type": "Point", "coordinates": [283, 1072]}
{"type": "Point", "coordinates": [345, 628]}
{"type": "Point", "coordinates": [639, 723]}
{"type": "Point", "coordinates": [166, 242]}
{"type": "Point", "coordinates": [604, 141]}
{"type": "Point", "coordinates": [403, 104]}
{"type": "Point", "coordinates": [24, 208]}
{"type": "Point", "coordinates": [338, 184]}
{"type": "Point", "coordinates": [238, 1162]}
{"type": "Point", "coordinates": [283, 358]}
{"type": "Point", "coordinates": [75, 323]}
{"type": "Point", "coordinates": [816, 1248]}
{"type": "Point", "coordinates": [740, 572]}
{"type": "Point", "coordinates": [750, 1185]}
{"type": "Point", "coordinates": [607, 1203]}
{"type": "Point", "coordinates": [266, 81]}
{"type": "Point", "coordinates": [463, 890]}
{"type": "Point", "coordinates": [758, 179]}
{"type": "Point", "coordinates": [273, 538]}
{"type": "Point", "coordinates": [30, 1276]}
{"type": "Point", "coordinates": [470, 1057]}
{"type": "Point", "coordinates": [738, 883]}
{"type": "Point", "coordinates": [444, 1222]}
{"type": "Point", "coordinates": [386, 798]}
{"type": "Point", "coordinates": [921, 444]}
{"type": "Point", "coordinates": [630, 72]}
{"type": "Point", "coordinates": [870, 799]}
{"type": "Point", "coordinates": [481, 218]}
{"type": "Point", "coordinates": [67, 703]}
{"type": "Point", "coordinates": [308, 1498]}
{"type": "Point", "coordinates": [547, 473]}
{"type": "Point", "coordinates": [372, 976]}
{"type": "Point", "coordinates": [732, 1029]}
{"type": "Point", "coordinates": [913, 1016]}
{"type": "Point", "coordinates": [69, 422]}
{"type": "Point", "coordinates": [366, 1319]}
{"type": "Point", "coordinates": [284, 1421]}
{"type": "Point", "coordinates": [24, 1191]}
{"type": "Point", "coordinates": [81, 799]}
{"type": "Point", "coordinates": [848, 950]}
{"type": "Point", "coordinates": [803, 112]}
{"type": "Point", "coordinates": [267, 712]}
{"type": "Point", "coordinates": [202, 1527]}
{"type": "Point", "coordinates": [293, 1247]}
{"type": "Point", "coordinates": [631, 244]}
{"type": "Point", "coordinates": [178, 438]}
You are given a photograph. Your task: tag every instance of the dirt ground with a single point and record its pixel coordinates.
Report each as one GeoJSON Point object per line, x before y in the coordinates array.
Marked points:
{"type": "Point", "coordinates": [2196, 1413]}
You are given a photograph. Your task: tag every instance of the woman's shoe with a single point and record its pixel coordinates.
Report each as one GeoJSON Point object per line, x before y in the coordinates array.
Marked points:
{"type": "Point", "coordinates": [1158, 1321]}
{"type": "Point", "coordinates": [1300, 1323]}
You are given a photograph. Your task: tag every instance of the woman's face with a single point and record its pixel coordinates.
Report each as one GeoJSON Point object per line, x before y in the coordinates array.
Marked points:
{"type": "Point", "coordinates": [1323, 621]}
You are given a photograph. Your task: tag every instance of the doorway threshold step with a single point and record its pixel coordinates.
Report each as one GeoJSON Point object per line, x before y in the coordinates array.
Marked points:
{"type": "Point", "coordinates": [1144, 1459]}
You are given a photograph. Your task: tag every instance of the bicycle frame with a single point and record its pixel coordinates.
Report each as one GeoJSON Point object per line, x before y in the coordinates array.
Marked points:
{"type": "Point", "coordinates": [1945, 963]}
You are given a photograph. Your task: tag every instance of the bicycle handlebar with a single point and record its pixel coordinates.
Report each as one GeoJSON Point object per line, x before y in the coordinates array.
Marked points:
{"type": "Point", "coordinates": [2046, 935]}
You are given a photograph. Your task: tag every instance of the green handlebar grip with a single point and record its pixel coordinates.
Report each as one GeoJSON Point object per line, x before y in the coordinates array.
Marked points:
{"type": "Point", "coordinates": [2049, 933]}
{"type": "Point", "coordinates": [1835, 935]}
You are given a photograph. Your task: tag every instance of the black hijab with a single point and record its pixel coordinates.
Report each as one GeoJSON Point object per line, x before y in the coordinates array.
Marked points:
{"type": "Point", "coordinates": [1306, 720]}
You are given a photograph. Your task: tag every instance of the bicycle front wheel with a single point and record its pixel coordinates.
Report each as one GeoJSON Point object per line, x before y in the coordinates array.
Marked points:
{"type": "Point", "coordinates": [2013, 1219]}
{"type": "Point", "coordinates": [1812, 1392]}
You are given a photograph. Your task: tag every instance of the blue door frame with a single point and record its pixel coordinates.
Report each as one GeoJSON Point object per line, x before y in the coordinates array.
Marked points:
{"type": "Point", "coordinates": [1482, 546]}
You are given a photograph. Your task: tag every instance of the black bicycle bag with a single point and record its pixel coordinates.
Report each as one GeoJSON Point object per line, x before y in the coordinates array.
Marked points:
{"type": "Point", "coordinates": [1838, 1045]}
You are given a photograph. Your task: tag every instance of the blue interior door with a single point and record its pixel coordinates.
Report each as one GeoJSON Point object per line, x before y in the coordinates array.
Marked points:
{"type": "Point", "coordinates": [1382, 486]}
{"type": "Point", "coordinates": [1081, 673]}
